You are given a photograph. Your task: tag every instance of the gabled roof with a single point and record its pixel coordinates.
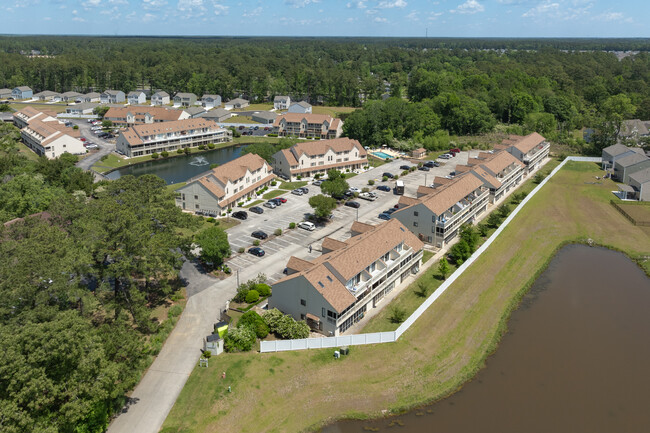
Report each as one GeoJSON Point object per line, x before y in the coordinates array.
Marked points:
{"type": "Point", "coordinates": [529, 142]}
{"type": "Point", "coordinates": [237, 101]}
{"type": "Point", "coordinates": [298, 264]}
{"type": "Point", "coordinates": [448, 195]}
{"type": "Point", "coordinates": [303, 104]}
{"type": "Point", "coordinates": [641, 176]}
{"type": "Point", "coordinates": [499, 161]}
{"type": "Point", "coordinates": [216, 113]}
{"type": "Point", "coordinates": [184, 95]}
{"type": "Point", "coordinates": [112, 92]}
{"type": "Point", "coordinates": [71, 94]}
{"type": "Point", "coordinates": [23, 88]}
{"type": "Point", "coordinates": [136, 93]}
{"type": "Point", "coordinates": [631, 159]}
{"type": "Point", "coordinates": [92, 95]}
{"type": "Point", "coordinates": [134, 134]}
{"type": "Point", "coordinates": [267, 115]}
{"type": "Point", "coordinates": [616, 149]}
{"type": "Point", "coordinates": [359, 227]}
{"type": "Point", "coordinates": [486, 176]}
{"type": "Point", "coordinates": [207, 96]}
{"type": "Point", "coordinates": [160, 94]}
{"type": "Point", "coordinates": [139, 111]}
{"type": "Point", "coordinates": [46, 93]}
{"type": "Point", "coordinates": [193, 111]}
{"type": "Point", "coordinates": [308, 117]}
{"type": "Point", "coordinates": [332, 244]}
{"type": "Point", "coordinates": [320, 147]}
{"type": "Point", "coordinates": [629, 127]}
{"type": "Point", "coordinates": [280, 98]}
{"type": "Point", "coordinates": [237, 168]}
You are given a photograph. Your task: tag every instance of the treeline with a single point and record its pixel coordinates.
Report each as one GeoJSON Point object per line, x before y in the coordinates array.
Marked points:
{"type": "Point", "coordinates": [79, 284]}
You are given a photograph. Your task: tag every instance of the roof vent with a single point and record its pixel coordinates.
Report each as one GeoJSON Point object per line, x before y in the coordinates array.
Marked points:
{"type": "Point", "coordinates": [321, 284]}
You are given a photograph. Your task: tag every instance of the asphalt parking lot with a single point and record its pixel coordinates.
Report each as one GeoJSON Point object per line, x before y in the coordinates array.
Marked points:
{"type": "Point", "coordinates": [296, 241]}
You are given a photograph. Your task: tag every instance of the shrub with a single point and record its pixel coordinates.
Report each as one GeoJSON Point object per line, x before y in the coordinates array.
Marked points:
{"type": "Point", "coordinates": [154, 155]}
{"type": "Point", "coordinates": [413, 168]}
{"type": "Point", "coordinates": [503, 210]}
{"type": "Point", "coordinates": [273, 183]}
{"type": "Point", "coordinates": [241, 250]}
{"type": "Point", "coordinates": [292, 225]}
{"type": "Point", "coordinates": [174, 311]}
{"type": "Point", "coordinates": [255, 322]}
{"type": "Point", "coordinates": [396, 177]}
{"type": "Point", "coordinates": [256, 242]}
{"type": "Point", "coordinates": [263, 289]}
{"type": "Point", "coordinates": [493, 220]}
{"type": "Point", "coordinates": [241, 203]}
{"type": "Point", "coordinates": [239, 339]}
{"type": "Point", "coordinates": [385, 178]}
{"type": "Point", "coordinates": [405, 172]}
{"type": "Point", "coordinates": [211, 146]}
{"type": "Point", "coordinates": [397, 314]}
{"type": "Point", "coordinates": [179, 151]}
{"type": "Point", "coordinates": [285, 326]}
{"type": "Point", "coordinates": [483, 229]}
{"type": "Point", "coordinates": [164, 154]}
{"type": "Point", "coordinates": [187, 150]}
{"type": "Point", "coordinates": [244, 288]}
{"type": "Point", "coordinates": [299, 177]}
{"type": "Point", "coordinates": [365, 189]}
{"type": "Point", "coordinates": [277, 232]}
{"type": "Point", "coordinates": [371, 182]}
{"type": "Point", "coordinates": [317, 176]}
{"type": "Point", "coordinates": [226, 269]}
{"type": "Point", "coordinates": [75, 127]}
{"type": "Point", "coordinates": [252, 296]}
{"type": "Point", "coordinates": [539, 177]}
{"type": "Point", "coordinates": [210, 220]}
{"type": "Point", "coordinates": [271, 135]}
{"type": "Point", "coordinates": [201, 147]}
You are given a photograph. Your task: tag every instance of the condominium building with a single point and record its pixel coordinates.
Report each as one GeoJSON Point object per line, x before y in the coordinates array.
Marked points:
{"type": "Point", "coordinates": [629, 164]}
{"type": "Point", "coordinates": [308, 158]}
{"type": "Point", "coordinates": [531, 150]}
{"type": "Point", "coordinates": [499, 171]}
{"type": "Point", "coordinates": [222, 187]}
{"type": "Point", "coordinates": [169, 136]}
{"type": "Point", "coordinates": [615, 152]}
{"type": "Point", "coordinates": [436, 217]}
{"type": "Point", "coordinates": [334, 291]}
{"type": "Point", "coordinates": [23, 117]}
{"type": "Point", "coordinates": [308, 126]}
{"type": "Point", "coordinates": [51, 138]}
{"type": "Point", "coordinates": [143, 114]}
{"type": "Point", "coordinates": [112, 97]}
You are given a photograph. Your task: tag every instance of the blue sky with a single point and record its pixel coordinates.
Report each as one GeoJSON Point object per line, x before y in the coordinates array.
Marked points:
{"type": "Point", "coordinates": [452, 18]}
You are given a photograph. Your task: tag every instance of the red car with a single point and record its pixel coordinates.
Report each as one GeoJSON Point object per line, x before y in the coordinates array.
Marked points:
{"type": "Point", "coordinates": [454, 151]}
{"type": "Point", "coordinates": [282, 199]}
{"type": "Point", "coordinates": [82, 139]}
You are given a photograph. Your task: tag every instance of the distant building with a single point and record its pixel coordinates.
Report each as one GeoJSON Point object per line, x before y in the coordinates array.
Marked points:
{"type": "Point", "coordinates": [629, 164]}
{"type": "Point", "coordinates": [419, 153]}
{"type": "Point", "coordinates": [237, 103]}
{"type": "Point", "coordinates": [308, 126]}
{"type": "Point", "coordinates": [640, 183]}
{"type": "Point", "coordinates": [265, 117]}
{"type": "Point", "coordinates": [48, 95]}
{"type": "Point", "coordinates": [223, 187]}
{"type": "Point", "coordinates": [300, 107]}
{"type": "Point", "coordinates": [617, 151]}
{"type": "Point", "coordinates": [160, 98]}
{"type": "Point", "coordinates": [70, 96]}
{"type": "Point", "coordinates": [45, 135]}
{"type": "Point", "coordinates": [146, 139]}
{"type": "Point", "coordinates": [23, 117]}
{"type": "Point", "coordinates": [22, 92]}
{"type": "Point", "coordinates": [184, 99]}
{"type": "Point", "coordinates": [633, 130]}
{"type": "Point", "coordinates": [218, 115]}
{"type": "Point", "coordinates": [143, 114]}
{"type": "Point", "coordinates": [81, 109]}
{"type": "Point", "coordinates": [281, 102]}
{"type": "Point", "coordinates": [89, 97]}
{"type": "Point", "coordinates": [5, 93]}
{"type": "Point", "coordinates": [112, 97]}
{"type": "Point", "coordinates": [499, 171]}
{"type": "Point", "coordinates": [531, 150]}
{"type": "Point", "coordinates": [137, 97]}
{"type": "Point", "coordinates": [194, 112]}
{"type": "Point", "coordinates": [308, 158]}
{"type": "Point", "coordinates": [211, 101]}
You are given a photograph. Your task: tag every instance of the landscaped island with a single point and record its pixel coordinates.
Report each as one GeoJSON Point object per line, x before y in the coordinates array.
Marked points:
{"type": "Point", "coordinates": [295, 391]}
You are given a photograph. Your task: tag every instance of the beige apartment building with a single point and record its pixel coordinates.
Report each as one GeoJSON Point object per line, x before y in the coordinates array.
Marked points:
{"type": "Point", "coordinates": [308, 126]}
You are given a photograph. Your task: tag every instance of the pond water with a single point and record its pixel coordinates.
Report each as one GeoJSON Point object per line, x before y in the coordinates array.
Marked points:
{"type": "Point", "coordinates": [575, 359]}
{"type": "Point", "coordinates": [181, 168]}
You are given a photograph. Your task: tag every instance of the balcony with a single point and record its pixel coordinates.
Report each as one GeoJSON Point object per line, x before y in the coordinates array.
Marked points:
{"type": "Point", "coordinates": [535, 152]}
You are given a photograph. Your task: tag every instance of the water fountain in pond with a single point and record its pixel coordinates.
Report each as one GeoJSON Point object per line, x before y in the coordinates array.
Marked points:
{"type": "Point", "coordinates": [199, 161]}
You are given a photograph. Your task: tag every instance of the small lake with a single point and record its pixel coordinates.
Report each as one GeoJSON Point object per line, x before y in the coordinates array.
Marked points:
{"type": "Point", "coordinates": [180, 168]}
{"type": "Point", "coordinates": [575, 359]}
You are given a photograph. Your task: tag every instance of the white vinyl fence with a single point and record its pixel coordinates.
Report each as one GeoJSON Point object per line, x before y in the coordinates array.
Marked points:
{"type": "Point", "coordinates": [390, 337]}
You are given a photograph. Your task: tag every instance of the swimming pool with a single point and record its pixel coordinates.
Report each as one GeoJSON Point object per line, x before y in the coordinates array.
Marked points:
{"type": "Point", "coordinates": [381, 155]}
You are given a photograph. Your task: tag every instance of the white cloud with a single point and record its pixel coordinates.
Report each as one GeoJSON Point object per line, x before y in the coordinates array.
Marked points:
{"type": "Point", "coordinates": [78, 19]}
{"type": "Point", "coordinates": [146, 18]}
{"type": "Point", "coordinates": [389, 4]}
{"type": "Point", "coordinates": [254, 13]}
{"type": "Point", "coordinates": [544, 8]}
{"type": "Point", "coordinates": [299, 3]}
{"type": "Point", "coordinates": [92, 3]}
{"type": "Point", "coordinates": [357, 5]}
{"type": "Point", "coordinates": [153, 4]}
{"type": "Point", "coordinates": [220, 9]}
{"type": "Point", "coordinates": [189, 5]}
{"type": "Point", "coordinates": [380, 20]}
{"type": "Point", "coordinates": [560, 10]}
{"type": "Point", "coordinates": [469, 7]}
{"type": "Point", "coordinates": [613, 16]}
{"type": "Point", "coordinates": [413, 16]}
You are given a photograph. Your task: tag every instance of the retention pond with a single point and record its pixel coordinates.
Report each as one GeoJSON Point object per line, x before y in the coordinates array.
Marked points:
{"type": "Point", "coordinates": [575, 359]}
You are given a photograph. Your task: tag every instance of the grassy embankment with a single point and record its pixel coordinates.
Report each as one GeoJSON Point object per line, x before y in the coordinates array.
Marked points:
{"type": "Point", "coordinates": [57, 108]}
{"type": "Point", "coordinates": [295, 391]}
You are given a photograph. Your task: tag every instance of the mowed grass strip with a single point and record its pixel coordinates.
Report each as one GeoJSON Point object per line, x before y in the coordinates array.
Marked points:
{"type": "Point", "coordinates": [297, 391]}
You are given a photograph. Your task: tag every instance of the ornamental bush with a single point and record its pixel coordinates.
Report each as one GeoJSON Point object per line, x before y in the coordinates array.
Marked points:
{"type": "Point", "coordinates": [252, 296]}
{"type": "Point", "coordinates": [179, 151]}
{"type": "Point", "coordinates": [164, 154]}
{"type": "Point", "coordinates": [211, 146]}
{"type": "Point", "coordinates": [255, 322]}
{"type": "Point", "coordinates": [239, 339]}
{"type": "Point", "coordinates": [154, 155]}
{"type": "Point", "coordinates": [292, 225]}
{"type": "Point", "coordinates": [371, 182]}
{"type": "Point", "coordinates": [263, 289]}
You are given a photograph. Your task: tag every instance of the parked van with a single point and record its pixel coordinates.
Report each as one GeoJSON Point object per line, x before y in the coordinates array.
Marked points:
{"type": "Point", "coordinates": [399, 187]}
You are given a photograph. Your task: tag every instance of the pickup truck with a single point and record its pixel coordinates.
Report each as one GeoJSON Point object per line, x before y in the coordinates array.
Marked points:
{"type": "Point", "coordinates": [367, 196]}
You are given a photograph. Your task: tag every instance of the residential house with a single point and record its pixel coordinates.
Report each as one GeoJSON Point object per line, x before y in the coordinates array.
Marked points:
{"type": "Point", "coordinates": [47, 95]}
{"type": "Point", "coordinates": [51, 139]}
{"type": "Point", "coordinates": [436, 218]}
{"type": "Point", "coordinates": [112, 97]}
{"type": "Point", "coordinates": [160, 98]}
{"type": "Point", "coordinates": [184, 99]}
{"type": "Point", "coordinates": [22, 92]}
{"type": "Point", "coordinates": [612, 153]}
{"type": "Point", "coordinates": [143, 114]}
{"type": "Point", "coordinates": [281, 102]}
{"type": "Point", "coordinates": [625, 166]}
{"type": "Point", "coordinates": [70, 96]}
{"type": "Point", "coordinates": [211, 101]}
{"type": "Point", "coordinates": [170, 136]}
{"type": "Point", "coordinates": [223, 187]}
{"type": "Point", "coordinates": [218, 115]}
{"type": "Point", "coordinates": [136, 97]}
{"type": "Point", "coordinates": [500, 172]}
{"type": "Point", "coordinates": [265, 117]}
{"type": "Point", "coordinates": [640, 183]}
{"type": "Point", "coordinates": [194, 112]}
{"type": "Point", "coordinates": [237, 103]}
{"type": "Point", "coordinates": [633, 130]}
{"type": "Point", "coordinates": [23, 117]}
{"type": "Point", "coordinates": [302, 107]}
{"type": "Point", "coordinates": [85, 108]}
{"type": "Point", "coordinates": [308, 158]}
{"type": "Point", "coordinates": [336, 290]}
{"type": "Point", "coordinates": [5, 93]}
{"type": "Point", "coordinates": [420, 152]}
{"type": "Point", "coordinates": [531, 150]}
{"type": "Point", "coordinates": [89, 97]}
{"type": "Point", "coordinates": [308, 125]}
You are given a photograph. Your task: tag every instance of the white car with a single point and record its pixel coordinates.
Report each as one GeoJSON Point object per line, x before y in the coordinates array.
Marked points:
{"type": "Point", "coordinates": [354, 189]}
{"type": "Point", "coordinates": [270, 205]}
{"type": "Point", "coordinates": [307, 226]}
{"type": "Point", "coordinates": [297, 192]}
{"type": "Point", "coordinates": [367, 196]}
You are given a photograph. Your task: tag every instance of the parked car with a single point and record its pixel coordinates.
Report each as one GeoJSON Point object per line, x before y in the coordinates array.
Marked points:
{"type": "Point", "coordinates": [384, 216]}
{"type": "Point", "coordinates": [404, 167]}
{"type": "Point", "coordinates": [297, 192]}
{"type": "Point", "coordinates": [317, 182]}
{"type": "Point", "coordinates": [384, 188]}
{"type": "Point", "coordinates": [390, 211]}
{"type": "Point", "coordinates": [270, 204]}
{"type": "Point", "coordinates": [256, 209]}
{"type": "Point", "coordinates": [91, 146]}
{"type": "Point", "coordinates": [256, 251]}
{"type": "Point", "coordinates": [281, 199]}
{"type": "Point", "coordinates": [240, 215]}
{"type": "Point", "coordinates": [304, 189]}
{"type": "Point", "coordinates": [276, 201]}
{"type": "Point", "coordinates": [454, 151]}
{"type": "Point", "coordinates": [424, 168]}
{"type": "Point", "coordinates": [259, 234]}
{"type": "Point", "coordinates": [307, 225]}
{"type": "Point", "coordinates": [388, 175]}
{"type": "Point", "coordinates": [445, 156]}
{"type": "Point", "coordinates": [354, 204]}
{"type": "Point", "coordinates": [368, 196]}
{"type": "Point", "coordinates": [354, 189]}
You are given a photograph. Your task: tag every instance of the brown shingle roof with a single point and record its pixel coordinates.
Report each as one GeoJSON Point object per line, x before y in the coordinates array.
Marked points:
{"type": "Point", "coordinates": [135, 134]}
{"type": "Point", "coordinates": [332, 244]}
{"type": "Point", "coordinates": [486, 176]}
{"type": "Point", "coordinates": [311, 118]}
{"type": "Point", "coordinates": [236, 169]}
{"type": "Point", "coordinates": [500, 161]}
{"type": "Point", "coordinates": [158, 113]}
{"type": "Point", "coordinates": [320, 147]}
{"type": "Point", "coordinates": [448, 195]}
{"type": "Point", "coordinates": [359, 227]}
{"type": "Point", "coordinates": [529, 142]}
{"type": "Point", "coordinates": [298, 265]}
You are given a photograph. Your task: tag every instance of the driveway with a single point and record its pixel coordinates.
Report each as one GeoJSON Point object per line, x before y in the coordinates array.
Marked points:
{"type": "Point", "coordinates": [105, 147]}
{"type": "Point", "coordinates": [156, 393]}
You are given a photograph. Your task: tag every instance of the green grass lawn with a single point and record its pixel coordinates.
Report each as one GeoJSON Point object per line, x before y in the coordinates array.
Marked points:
{"type": "Point", "coordinates": [57, 108]}
{"type": "Point", "coordinates": [350, 175]}
{"type": "Point", "coordinates": [426, 256]}
{"type": "Point", "coordinates": [29, 153]}
{"type": "Point", "coordinates": [254, 203]}
{"type": "Point", "coordinates": [332, 111]}
{"type": "Point", "coordinates": [292, 185]}
{"type": "Point", "coordinates": [273, 194]}
{"type": "Point", "coordinates": [175, 186]}
{"type": "Point", "coordinates": [298, 391]}
{"type": "Point", "coordinates": [373, 161]}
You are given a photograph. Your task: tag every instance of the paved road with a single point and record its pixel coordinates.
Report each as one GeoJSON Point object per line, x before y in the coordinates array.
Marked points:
{"type": "Point", "coordinates": [156, 393]}
{"type": "Point", "coordinates": [105, 147]}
